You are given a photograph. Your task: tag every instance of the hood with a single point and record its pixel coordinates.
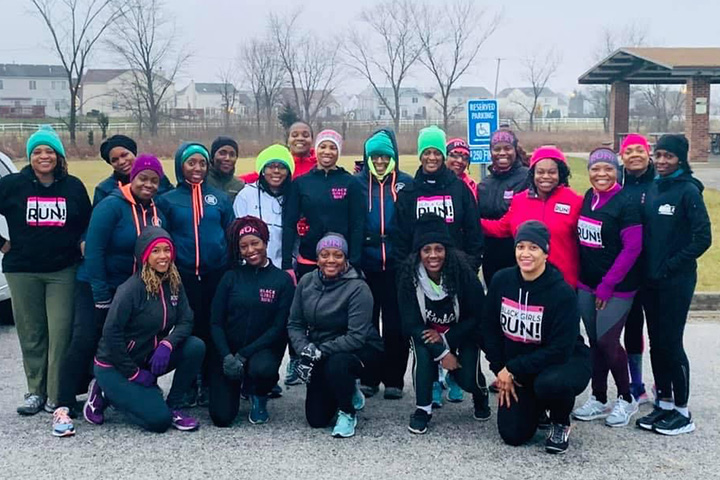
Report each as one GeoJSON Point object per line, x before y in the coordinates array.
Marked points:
{"type": "Point", "coordinates": [393, 140]}
{"type": "Point", "coordinates": [60, 173]}
{"type": "Point", "coordinates": [685, 177]}
{"type": "Point", "coordinates": [442, 177]}
{"type": "Point", "coordinates": [327, 285]}
{"type": "Point", "coordinates": [178, 160]}
{"type": "Point", "coordinates": [647, 177]}
{"type": "Point", "coordinates": [146, 238]}
{"type": "Point", "coordinates": [550, 278]}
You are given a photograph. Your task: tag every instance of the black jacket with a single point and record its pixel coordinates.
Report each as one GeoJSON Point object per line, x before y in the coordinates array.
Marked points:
{"type": "Point", "coordinates": [250, 310]}
{"type": "Point", "coordinates": [106, 187]}
{"type": "Point", "coordinates": [496, 192]}
{"type": "Point", "coordinates": [638, 186]}
{"type": "Point", "coordinates": [676, 226]}
{"type": "Point", "coordinates": [529, 326]}
{"type": "Point", "coordinates": [45, 223]}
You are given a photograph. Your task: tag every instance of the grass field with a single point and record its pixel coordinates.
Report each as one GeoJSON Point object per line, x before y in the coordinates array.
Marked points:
{"type": "Point", "coordinates": [93, 171]}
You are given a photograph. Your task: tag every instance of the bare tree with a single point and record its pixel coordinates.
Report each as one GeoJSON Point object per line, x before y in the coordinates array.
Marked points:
{"type": "Point", "coordinates": [146, 41]}
{"type": "Point", "coordinates": [228, 93]}
{"type": "Point", "coordinates": [663, 104]}
{"type": "Point", "coordinates": [75, 27]}
{"type": "Point", "coordinates": [384, 53]}
{"type": "Point", "coordinates": [538, 69]}
{"type": "Point", "coordinates": [265, 74]}
{"type": "Point", "coordinates": [451, 37]}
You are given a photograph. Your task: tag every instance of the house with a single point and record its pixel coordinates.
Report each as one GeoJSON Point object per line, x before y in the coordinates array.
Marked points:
{"type": "Point", "coordinates": [209, 100]}
{"type": "Point", "coordinates": [457, 102]}
{"type": "Point", "coordinates": [111, 91]}
{"type": "Point", "coordinates": [414, 104]}
{"type": "Point", "coordinates": [515, 103]}
{"type": "Point", "coordinates": [33, 91]}
{"type": "Point", "coordinates": [331, 108]}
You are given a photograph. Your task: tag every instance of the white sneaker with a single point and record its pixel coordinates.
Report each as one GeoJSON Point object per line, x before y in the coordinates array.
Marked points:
{"type": "Point", "coordinates": [592, 410]}
{"type": "Point", "coordinates": [621, 413]}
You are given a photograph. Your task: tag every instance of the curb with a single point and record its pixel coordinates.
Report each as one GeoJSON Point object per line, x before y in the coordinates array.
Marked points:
{"type": "Point", "coordinates": [706, 301]}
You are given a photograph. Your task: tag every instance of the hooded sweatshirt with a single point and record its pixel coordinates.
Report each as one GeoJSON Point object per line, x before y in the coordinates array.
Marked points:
{"type": "Point", "coordinates": [45, 223]}
{"type": "Point", "coordinates": [335, 315]}
{"type": "Point", "coordinates": [303, 165]}
{"type": "Point", "coordinates": [114, 228]}
{"type": "Point", "coordinates": [444, 194]}
{"type": "Point", "coordinates": [137, 322]}
{"type": "Point", "coordinates": [529, 326]}
{"type": "Point", "coordinates": [197, 225]}
{"type": "Point", "coordinates": [114, 181]}
{"type": "Point", "coordinates": [250, 310]}
{"type": "Point", "coordinates": [379, 200]}
{"type": "Point", "coordinates": [676, 226]}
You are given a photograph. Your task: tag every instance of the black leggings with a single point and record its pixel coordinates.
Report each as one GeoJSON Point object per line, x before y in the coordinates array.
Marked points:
{"type": "Point", "coordinates": [554, 389]}
{"type": "Point", "coordinates": [261, 374]}
{"type": "Point", "coordinates": [667, 307]}
{"type": "Point", "coordinates": [332, 384]}
{"type": "Point", "coordinates": [633, 338]}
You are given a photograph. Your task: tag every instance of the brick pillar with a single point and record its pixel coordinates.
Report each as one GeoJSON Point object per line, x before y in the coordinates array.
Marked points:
{"type": "Point", "coordinates": [619, 111]}
{"type": "Point", "coordinates": [697, 125]}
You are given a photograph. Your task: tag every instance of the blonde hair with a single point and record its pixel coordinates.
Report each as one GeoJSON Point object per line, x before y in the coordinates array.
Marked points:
{"type": "Point", "coordinates": [153, 280]}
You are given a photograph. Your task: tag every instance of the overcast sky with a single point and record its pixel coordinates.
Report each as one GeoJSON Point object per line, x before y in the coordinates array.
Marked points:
{"type": "Point", "coordinates": [214, 29]}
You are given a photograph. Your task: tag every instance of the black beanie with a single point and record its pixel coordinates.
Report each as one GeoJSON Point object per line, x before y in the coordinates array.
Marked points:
{"type": "Point", "coordinates": [536, 232]}
{"type": "Point", "coordinates": [220, 142]}
{"type": "Point", "coordinates": [430, 228]}
{"type": "Point", "coordinates": [677, 144]}
{"type": "Point", "coordinates": [117, 141]}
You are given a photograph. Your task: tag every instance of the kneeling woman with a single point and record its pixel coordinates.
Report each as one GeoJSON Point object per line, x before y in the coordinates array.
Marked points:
{"type": "Point", "coordinates": [146, 335]}
{"type": "Point", "coordinates": [533, 343]}
{"type": "Point", "coordinates": [442, 299]}
{"type": "Point", "coordinates": [249, 314]}
{"type": "Point", "coordinates": [331, 328]}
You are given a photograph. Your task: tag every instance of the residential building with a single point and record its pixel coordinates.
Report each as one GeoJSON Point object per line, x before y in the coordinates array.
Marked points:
{"type": "Point", "coordinates": [33, 91]}
{"type": "Point", "coordinates": [112, 92]}
{"type": "Point", "coordinates": [209, 100]}
{"type": "Point", "coordinates": [414, 104]}
{"type": "Point", "coordinates": [516, 103]}
{"type": "Point", "coordinates": [331, 108]}
{"type": "Point", "coordinates": [457, 102]}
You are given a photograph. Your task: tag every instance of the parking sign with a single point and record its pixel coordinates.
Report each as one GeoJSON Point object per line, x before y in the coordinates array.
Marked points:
{"type": "Point", "coordinates": [482, 123]}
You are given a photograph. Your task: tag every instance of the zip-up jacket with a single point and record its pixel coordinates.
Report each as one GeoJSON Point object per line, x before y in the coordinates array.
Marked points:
{"type": "Point", "coordinates": [256, 201]}
{"type": "Point", "coordinates": [225, 183]}
{"type": "Point", "coordinates": [496, 192]}
{"type": "Point", "coordinates": [250, 310]}
{"type": "Point", "coordinates": [559, 212]}
{"type": "Point", "coordinates": [330, 202]}
{"type": "Point", "coordinates": [335, 315]}
{"type": "Point", "coordinates": [676, 226]}
{"type": "Point", "coordinates": [638, 186]}
{"type": "Point", "coordinates": [303, 165]}
{"type": "Point", "coordinates": [137, 322]}
{"type": "Point", "coordinates": [45, 223]}
{"type": "Point", "coordinates": [114, 181]}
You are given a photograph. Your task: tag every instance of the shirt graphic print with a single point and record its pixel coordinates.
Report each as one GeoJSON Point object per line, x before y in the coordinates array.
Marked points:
{"type": "Point", "coordinates": [521, 323]}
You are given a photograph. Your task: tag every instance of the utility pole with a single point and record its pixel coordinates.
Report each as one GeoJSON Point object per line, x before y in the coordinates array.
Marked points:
{"type": "Point", "coordinates": [497, 76]}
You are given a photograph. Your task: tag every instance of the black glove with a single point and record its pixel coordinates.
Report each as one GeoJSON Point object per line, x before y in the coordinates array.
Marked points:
{"type": "Point", "coordinates": [308, 357]}
{"type": "Point", "coordinates": [233, 366]}
{"type": "Point", "coordinates": [101, 311]}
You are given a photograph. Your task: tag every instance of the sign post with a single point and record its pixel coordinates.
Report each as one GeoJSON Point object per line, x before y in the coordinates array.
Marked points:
{"type": "Point", "coordinates": [482, 122]}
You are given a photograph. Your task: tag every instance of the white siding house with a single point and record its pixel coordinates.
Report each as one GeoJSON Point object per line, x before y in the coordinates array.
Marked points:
{"type": "Point", "coordinates": [33, 91]}
{"type": "Point", "coordinates": [414, 104]}
{"type": "Point", "coordinates": [515, 102]}
{"type": "Point", "coordinates": [110, 91]}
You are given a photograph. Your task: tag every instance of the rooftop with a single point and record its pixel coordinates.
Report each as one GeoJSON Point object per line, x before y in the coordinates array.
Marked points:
{"type": "Point", "coordinates": [32, 71]}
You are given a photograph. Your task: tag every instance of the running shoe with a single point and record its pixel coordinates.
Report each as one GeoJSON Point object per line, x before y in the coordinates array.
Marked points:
{"type": "Point", "coordinates": [621, 413]}
{"type": "Point", "coordinates": [437, 396]}
{"type": "Point", "coordinates": [50, 406]}
{"type": "Point", "coordinates": [189, 399]}
{"type": "Point", "coordinates": [455, 394]}
{"type": "Point", "coordinates": [62, 423]}
{"type": "Point", "coordinates": [481, 409]}
{"type": "Point", "coordinates": [592, 410]}
{"type": "Point", "coordinates": [94, 405]}
{"type": "Point", "coordinates": [647, 422]}
{"type": "Point", "coordinates": [33, 404]}
{"type": "Point", "coordinates": [203, 397]}
{"type": "Point", "coordinates": [369, 391]}
{"type": "Point", "coordinates": [674, 423]}
{"type": "Point", "coordinates": [558, 438]}
{"type": "Point", "coordinates": [358, 399]}
{"type": "Point", "coordinates": [258, 410]}
{"type": "Point", "coordinates": [638, 392]}
{"type": "Point", "coordinates": [291, 377]}
{"type": "Point", "coordinates": [276, 391]}
{"type": "Point", "coordinates": [544, 420]}
{"type": "Point", "coordinates": [345, 425]}
{"type": "Point", "coordinates": [419, 421]}
{"type": "Point", "coordinates": [184, 422]}
{"type": "Point", "coordinates": [393, 393]}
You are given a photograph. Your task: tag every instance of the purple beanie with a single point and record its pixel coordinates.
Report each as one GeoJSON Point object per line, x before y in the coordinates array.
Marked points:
{"type": "Point", "coordinates": [146, 161]}
{"type": "Point", "coordinates": [332, 240]}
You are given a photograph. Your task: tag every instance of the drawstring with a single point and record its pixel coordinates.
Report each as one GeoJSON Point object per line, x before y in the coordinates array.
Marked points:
{"type": "Point", "coordinates": [198, 214]}
{"type": "Point", "coordinates": [370, 192]}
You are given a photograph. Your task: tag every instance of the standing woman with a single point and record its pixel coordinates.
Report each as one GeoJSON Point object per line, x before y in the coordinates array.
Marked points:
{"type": "Point", "coordinates": [549, 199]}
{"type": "Point", "coordinates": [610, 231]}
{"type": "Point", "coordinates": [249, 319]}
{"type": "Point", "coordinates": [300, 143]}
{"type": "Point", "coordinates": [146, 336]}
{"type": "Point", "coordinates": [458, 160]}
{"type": "Point", "coordinates": [197, 216]}
{"type": "Point", "coordinates": [676, 233]}
{"type": "Point", "coordinates": [331, 328]}
{"type": "Point", "coordinates": [221, 173]}
{"type": "Point", "coordinates": [442, 300]}
{"type": "Point", "coordinates": [47, 210]}
{"type": "Point", "coordinates": [508, 177]}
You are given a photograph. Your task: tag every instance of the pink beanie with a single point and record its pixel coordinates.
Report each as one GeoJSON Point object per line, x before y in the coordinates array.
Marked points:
{"type": "Point", "coordinates": [634, 139]}
{"type": "Point", "coordinates": [547, 151]}
{"type": "Point", "coordinates": [329, 135]}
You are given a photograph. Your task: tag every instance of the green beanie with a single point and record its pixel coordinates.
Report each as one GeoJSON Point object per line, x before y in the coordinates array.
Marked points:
{"type": "Point", "coordinates": [431, 137]}
{"type": "Point", "coordinates": [192, 150]}
{"type": "Point", "coordinates": [379, 144]}
{"type": "Point", "coordinates": [275, 153]}
{"type": "Point", "coordinates": [45, 135]}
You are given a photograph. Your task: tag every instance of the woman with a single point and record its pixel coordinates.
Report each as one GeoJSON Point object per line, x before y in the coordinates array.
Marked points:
{"type": "Point", "coordinates": [437, 190]}
{"type": "Point", "coordinates": [331, 328]}
{"type": "Point", "coordinates": [533, 344]}
{"type": "Point", "coordinates": [265, 198]}
{"type": "Point", "coordinates": [47, 210]}
{"type": "Point", "coordinates": [458, 160]}
{"type": "Point", "coordinates": [442, 299]}
{"type": "Point", "coordinates": [146, 336]}
{"type": "Point", "coordinates": [550, 199]}
{"type": "Point", "coordinates": [676, 233]}
{"type": "Point", "coordinates": [507, 177]}
{"type": "Point", "coordinates": [610, 232]}
{"type": "Point", "coordinates": [221, 173]}
{"type": "Point", "coordinates": [197, 216]}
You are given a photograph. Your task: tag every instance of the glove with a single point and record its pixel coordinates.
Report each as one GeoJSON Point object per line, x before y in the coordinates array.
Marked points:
{"type": "Point", "coordinates": [308, 357]}
{"type": "Point", "coordinates": [302, 227]}
{"type": "Point", "coordinates": [144, 378]}
{"type": "Point", "coordinates": [101, 311]}
{"type": "Point", "coordinates": [103, 305]}
{"type": "Point", "coordinates": [312, 352]}
{"type": "Point", "coordinates": [160, 359]}
{"type": "Point", "coordinates": [233, 366]}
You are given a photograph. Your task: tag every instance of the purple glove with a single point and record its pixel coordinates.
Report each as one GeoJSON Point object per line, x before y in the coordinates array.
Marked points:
{"type": "Point", "coordinates": [160, 359]}
{"type": "Point", "coordinates": [144, 378]}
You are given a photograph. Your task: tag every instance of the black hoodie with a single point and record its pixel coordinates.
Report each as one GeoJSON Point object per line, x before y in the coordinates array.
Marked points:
{"type": "Point", "coordinates": [529, 326]}
{"type": "Point", "coordinates": [497, 191]}
{"type": "Point", "coordinates": [45, 223]}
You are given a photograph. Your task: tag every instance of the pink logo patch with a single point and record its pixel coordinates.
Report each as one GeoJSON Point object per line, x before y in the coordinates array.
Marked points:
{"type": "Point", "coordinates": [46, 212]}
{"type": "Point", "coordinates": [174, 300]}
{"type": "Point", "coordinates": [267, 295]}
{"type": "Point", "coordinates": [339, 193]}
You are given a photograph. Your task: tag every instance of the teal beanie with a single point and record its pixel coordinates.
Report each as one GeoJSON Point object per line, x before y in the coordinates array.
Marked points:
{"type": "Point", "coordinates": [45, 135]}
{"type": "Point", "coordinates": [379, 144]}
{"type": "Point", "coordinates": [431, 137]}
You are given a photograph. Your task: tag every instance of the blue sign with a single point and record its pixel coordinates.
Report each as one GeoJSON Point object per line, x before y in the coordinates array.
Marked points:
{"type": "Point", "coordinates": [480, 154]}
{"type": "Point", "coordinates": [482, 123]}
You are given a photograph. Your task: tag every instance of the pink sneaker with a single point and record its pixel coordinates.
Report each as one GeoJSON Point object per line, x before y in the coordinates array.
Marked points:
{"type": "Point", "coordinates": [94, 405]}
{"type": "Point", "coordinates": [184, 422]}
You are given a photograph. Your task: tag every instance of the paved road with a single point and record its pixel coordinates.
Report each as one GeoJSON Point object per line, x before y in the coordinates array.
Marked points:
{"type": "Point", "coordinates": [456, 447]}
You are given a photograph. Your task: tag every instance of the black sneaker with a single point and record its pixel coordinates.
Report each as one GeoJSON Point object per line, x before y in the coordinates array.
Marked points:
{"type": "Point", "coordinates": [369, 391]}
{"type": "Point", "coordinates": [481, 410]}
{"type": "Point", "coordinates": [544, 421]}
{"type": "Point", "coordinates": [558, 438]}
{"type": "Point", "coordinates": [647, 422]}
{"type": "Point", "coordinates": [276, 391]}
{"type": "Point", "coordinates": [419, 421]}
{"type": "Point", "coordinates": [674, 423]}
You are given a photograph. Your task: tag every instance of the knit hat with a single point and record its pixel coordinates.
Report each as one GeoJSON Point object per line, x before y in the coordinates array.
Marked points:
{"type": "Point", "coordinates": [635, 139]}
{"type": "Point", "coordinates": [117, 141]}
{"type": "Point", "coordinates": [147, 240]}
{"type": "Point", "coordinates": [431, 137]}
{"type": "Point", "coordinates": [249, 225]}
{"type": "Point", "coordinates": [459, 145]}
{"type": "Point", "coordinates": [146, 161]}
{"type": "Point", "coordinates": [332, 240]}
{"type": "Point", "coordinates": [545, 152]}
{"type": "Point", "coordinates": [272, 154]}
{"type": "Point", "coordinates": [675, 143]}
{"type": "Point", "coordinates": [332, 136]}
{"type": "Point", "coordinates": [192, 149]}
{"type": "Point", "coordinates": [379, 144]}
{"type": "Point", "coordinates": [534, 231]}
{"type": "Point", "coordinates": [45, 135]}
{"type": "Point", "coordinates": [504, 136]}
{"type": "Point", "coordinates": [220, 142]}
{"type": "Point", "coordinates": [430, 228]}
{"type": "Point", "coordinates": [603, 155]}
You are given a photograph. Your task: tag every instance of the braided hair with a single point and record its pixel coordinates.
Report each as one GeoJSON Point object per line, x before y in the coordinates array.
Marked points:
{"type": "Point", "coordinates": [244, 226]}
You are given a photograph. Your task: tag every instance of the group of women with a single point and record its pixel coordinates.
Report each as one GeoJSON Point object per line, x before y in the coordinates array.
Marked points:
{"type": "Point", "coordinates": [214, 278]}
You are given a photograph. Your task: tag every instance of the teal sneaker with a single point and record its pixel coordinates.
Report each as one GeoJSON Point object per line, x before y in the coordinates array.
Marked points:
{"type": "Point", "coordinates": [258, 410]}
{"type": "Point", "coordinates": [437, 396]}
{"type": "Point", "coordinates": [358, 400]}
{"type": "Point", "coordinates": [62, 423]}
{"type": "Point", "coordinates": [345, 425]}
{"type": "Point", "coordinates": [291, 376]}
{"type": "Point", "coordinates": [454, 394]}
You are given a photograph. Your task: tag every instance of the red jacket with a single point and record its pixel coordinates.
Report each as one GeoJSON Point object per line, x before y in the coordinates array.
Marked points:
{"type": "Point", "coordinates": [560, 213]}
{"type": "Point", "coordinates": [471, 184]}
{"type": "Point", "coordinates": [302, 166]}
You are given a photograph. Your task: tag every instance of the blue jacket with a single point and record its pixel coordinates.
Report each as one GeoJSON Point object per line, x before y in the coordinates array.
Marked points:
{"type": "Point", "coordinates": [110, 241]}
{"type": "Point", "coordinates": [110, 184]}
{"type": "Point", "coordinates": [212, 253]}
{"type": "Point", "coordinates": [379, 201]}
